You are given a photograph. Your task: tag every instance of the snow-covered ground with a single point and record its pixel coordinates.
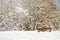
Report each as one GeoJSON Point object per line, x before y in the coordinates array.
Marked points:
{"type": "Point", "coordinates": [29, 35]}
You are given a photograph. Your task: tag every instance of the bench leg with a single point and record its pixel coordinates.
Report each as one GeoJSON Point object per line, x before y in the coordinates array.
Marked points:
{"type": "Point", "coordinates": [38, 30]}
{"type": "Point", "coordinates": [50, 30]}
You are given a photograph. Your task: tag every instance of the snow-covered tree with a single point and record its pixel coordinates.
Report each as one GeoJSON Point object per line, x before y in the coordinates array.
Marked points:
{"type": "Point", "coordinates": [23, 14]}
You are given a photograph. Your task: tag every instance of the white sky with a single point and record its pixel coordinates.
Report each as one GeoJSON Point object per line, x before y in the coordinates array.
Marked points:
{"type": "Point", "coordinates": [57, 2]}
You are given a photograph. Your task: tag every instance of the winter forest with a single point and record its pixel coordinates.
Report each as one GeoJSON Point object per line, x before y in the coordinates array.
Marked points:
{"type": "Point", "coordinates": [27, 15]}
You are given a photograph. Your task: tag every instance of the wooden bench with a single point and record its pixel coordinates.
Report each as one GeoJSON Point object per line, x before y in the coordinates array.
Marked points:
{"type": "Point", "coordinates": [43, 29]}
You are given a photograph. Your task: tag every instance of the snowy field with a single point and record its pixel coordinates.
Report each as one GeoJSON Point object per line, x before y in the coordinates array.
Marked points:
{"type": "Point", "coordinates": [29, 35]}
